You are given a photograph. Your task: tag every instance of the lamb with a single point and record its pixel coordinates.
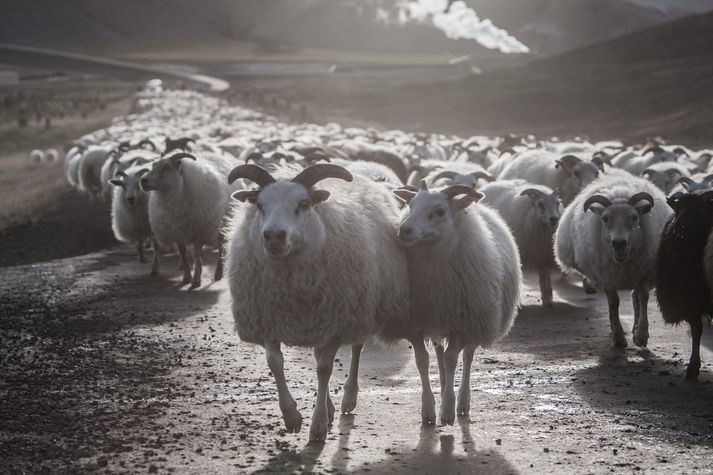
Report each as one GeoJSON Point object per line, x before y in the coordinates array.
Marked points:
{"type": "Point", "coordinates": [569, 173]}
{"type": "Point", "coordinates": [129, 209]}
{"type": "Point", "coordinates": [683, 264]}
{"type": "Point", "coordinates": [615, 245]}
{"type": "Point", "coordinates": [187, 204]}
{"type": "Point", "coordinates": [307, 271]}
{"type": "Point", "coordinates": [464, 281]}
{"type": "Point", "coordinates": [533, 213]}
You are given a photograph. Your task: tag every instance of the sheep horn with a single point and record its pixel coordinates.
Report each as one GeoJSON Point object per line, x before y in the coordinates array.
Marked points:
{"type": "Point", "coordinates": [600, 199]}
{"type": "Point", "coordinates": [687, 180]}
{"type": "Point", "coordinates": [181, 155]}
{"type": "Point", "coordinates": [449, 174]}
{"type": "Point", "coordinates": [255, 156]}
{"type": "Point", "coordinates": [532, 193]}
{"type": "Point", "coordinates": [654, 149]}
{"type": "Point", "coordinates": [483, 176]}
{"type": "Point", "coordinates": [141, 172]}
{"type": "Point", "coordinates": [140, 160]}
{"type": "Point", "coordinates": [316, 156]}
{"type": "Point", "coordinates": [455, 190]}
{"type": "Point", "coordinates": [642, 195]}
{"type": "Point", "coordinates": [120, 173]}
{"type": "Point", "coordinates": [311, 175]}
{"type": "Point", "coordinates": [253, 173]}
{"type": "Point", "coordinates": [147, 142]}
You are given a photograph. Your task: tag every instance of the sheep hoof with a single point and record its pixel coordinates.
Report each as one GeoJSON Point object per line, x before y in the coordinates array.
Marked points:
{"type": "Point", "coordinates": [641, 340]}
{"type": "Point", "coordinates": [619, 340]}
{"type": "Point", "coordinates": [293, 421]}
{"type": "Point", "coordinates": [195, 285]}
{"type": "Point", "coordinates": [349, 400]}
{"type": "Point", "coordinates": [318, 431]}
{"type": "Point", "coordinates": [187, 279]}
{"type": "Point", "coordinates": [463, 409]}
{"type": "Point", "coordinates": [448, 413]}
{"type": "Point", "coordinates": [692, 373]}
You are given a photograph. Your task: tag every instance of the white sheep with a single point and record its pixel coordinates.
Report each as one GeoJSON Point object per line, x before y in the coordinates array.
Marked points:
{"type": "Point", "coordinates": [129, 209]}
{"type": "Point", "coordinates": [533, 213]}
{"type": "Point", "coordinates": [89, 170]}
{"type": "Point", "coordinates": [665, 174]}
{"type": "Point", "coordinates": [37, 156]}
{"type": "Point", "coordinates": [635, 162]}
{"type": "Point", "coordinates": [464, 282]}
{"type": "Point", "coordinates": [187, 205]}
{"type": "Point", "coordinates": [51, 155]}
{"type": "Point", "coordinates": [610, 234]}
{"type": "Point", "coordinates": [568, 174]}
{"type": "Point", "coordinates": [71, 164]}
{"type": "Point", "coordinates": [307, 271]}
{"type": "Point", "coordinates": [119, 161]}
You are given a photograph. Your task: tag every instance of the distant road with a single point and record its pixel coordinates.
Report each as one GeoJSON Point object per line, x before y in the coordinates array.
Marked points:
{"type": "Point", "coordinates": [53, 58]}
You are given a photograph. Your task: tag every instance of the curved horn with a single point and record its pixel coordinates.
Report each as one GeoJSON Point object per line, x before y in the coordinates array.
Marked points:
{"type": "Point", "coordinates": [483, 176]}
{"type": "Point", "coordinates": [687, 180]}
{"type": "Point", "coordinates": [180, 155]}
{"type": "Point", "coordinates": [120, 173]}
{"type": "Point", "coordinates": [642, 195]}
{"type": "Point", "coordinates": [311, 175]}
{"type": "Point", "coordinates": [139, 159]}
{"type": "Point", "coordinates": [532, 193]}
{"type": "Point", "coordinates": [649, 171]}
{"type": "Point", "coordinates": [317, 156]}
{"type": "Point", "coordinates": [601, 199]}
{"type": "Point", "coordinates": [147, 142]}
{"type": "Point", "coordinates": [141, 172]}
{"type": "Point", "coordinates": [253, 173]}
{"type": "Point", "coordinates": [456, 190]}
{"type": "Point", "coordinates": [255, 156]}
{"type": "Point", "coordinates": [654, 149]}
{"type": "Point", "coordinates": [449, 174]}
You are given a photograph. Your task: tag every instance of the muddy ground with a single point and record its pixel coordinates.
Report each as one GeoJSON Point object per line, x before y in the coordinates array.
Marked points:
{"type": "Point", "coordinates": [107, 369]}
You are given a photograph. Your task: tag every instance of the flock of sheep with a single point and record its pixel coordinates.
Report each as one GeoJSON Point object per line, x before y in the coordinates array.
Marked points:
{"type": "Point", "coordinates": [335, 235]}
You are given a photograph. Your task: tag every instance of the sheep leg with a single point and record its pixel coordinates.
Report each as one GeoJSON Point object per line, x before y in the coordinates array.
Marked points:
{"type": "Point", "coordinates": [351, 386]}
{"type": "Point", "coordinates": [154, 259]}
{"type": "Point", "coordinates": [448, 397]}
{"type": "Point", "coordinates": [441, 367]}
{"type": "Point", "coordinates": [288, 406]}
{"type": "Point", "coordinates": [641, 317]}
{"type": "Point", "coordinates": [184, 264]}
{"type": "Point", "coordinates": [320, 417]}
{"type": "Point", "coordinates": [140, 250]}
{"type": "Point", "coordinates": [197, 265]}
{"type": "Point", "coordinates": [618, 334]}
{"type": "Point", "coordinates": [219, 265]}
{"type": "Point", "coordinates": [428, 402]}
{"type": "Point", "coordinates": [463, 408]}
{"type": "Point", "coordinates": [546, 287]}
{"type": "Point", "coordinates": [694, 364]}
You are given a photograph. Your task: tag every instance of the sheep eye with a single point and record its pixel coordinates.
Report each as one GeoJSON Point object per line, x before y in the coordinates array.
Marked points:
{"type": "Point", "coordinates": [605, 219]}
{"type": "Point", "coordinates": [635, 219]}
{"type": "Point", "coordinates": [304, 205]}
{"type": "Point", "coordinates": [439, 212]}
{"type": "Point", "coordinates": [259, 207]}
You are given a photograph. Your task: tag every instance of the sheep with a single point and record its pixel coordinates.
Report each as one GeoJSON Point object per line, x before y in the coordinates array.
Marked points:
{"type": "Point", "coordinates": [129, 209]}
{"type": "Point", "coordinates": [307, 271]}
{"type": "Point", "coordinates": [615, 245]}
{"type": "Point", "coordinates": [683, 264]}
{"type": "Point", "coordinates": [71, 164]}
{"type": "Point", "coordinates": [37, 156]}
{"type": "Point", "coordinates": [452, 177]}
{"type": "Point", "coordinates": [636, 162]}
{"type": "Point", "coordinates": [119, 161]}
{"type": "Point", "coordinates": [464, 282]}
{"type": "Point", "coordinates": [699, 181]}
{"type": "Point", "coordinates": [533, 213]}
{"type": "Point", "coordinates": [89, 170]}
{"type": "Point", "coordinates": [51, 155]}
{"type": "Point", "coordinates": [569, 173]}
{"type": "Point", "coordinates": [187, 204]}
{"type": "Point", "coordinates": [665, 174]}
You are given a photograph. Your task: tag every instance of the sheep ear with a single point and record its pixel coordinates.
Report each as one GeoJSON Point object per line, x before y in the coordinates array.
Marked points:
{"type": "Point", "coordinates": [405, 196]}
{"type": "Point", "coordinates": [568, 162]}
{"type": "Point", "coordinates": [116, 182]}
{"type": "Point", "coordinates": [317, 196]}
{"type": "Point", "coordinates": [246, 195]}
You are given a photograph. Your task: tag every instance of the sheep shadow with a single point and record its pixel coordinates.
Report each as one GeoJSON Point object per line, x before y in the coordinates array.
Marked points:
{"type": "Point", "coordinates": [647, 394]}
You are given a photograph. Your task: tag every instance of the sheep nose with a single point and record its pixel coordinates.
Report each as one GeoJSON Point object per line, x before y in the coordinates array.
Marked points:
{"type": "Point", "coordinates": [405, 231]}
{"type": "Point", "coordinates": [618, 244]}
{"type": "Point", "coordinates": [554, 220]}
{"type": "Point", "coordinates": [279, 235]}
{"type": "Point", "coordinates": [131, 200]}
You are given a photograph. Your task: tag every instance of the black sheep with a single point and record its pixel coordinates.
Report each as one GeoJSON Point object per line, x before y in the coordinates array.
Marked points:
{"type": "Point", "coordinates": [681, 288]}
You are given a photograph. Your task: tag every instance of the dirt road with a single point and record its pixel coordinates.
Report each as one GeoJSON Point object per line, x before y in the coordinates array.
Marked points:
{"type": "Point", "coordinates": [107, 369]}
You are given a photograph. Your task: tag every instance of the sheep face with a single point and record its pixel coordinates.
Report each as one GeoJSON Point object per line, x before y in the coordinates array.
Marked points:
{"type": "Point", "coordinates": [664, 181]}
{"type": "Point", "coordinates": [131, 185]}
{"type": "Point", "coordinates": [548, 208]}
{"type": "Point", "coordinates": [286, 224]}
{"type": "Point", "coordinates": [620, 223]}
{"type": "Point", "coordinates": [580, 174]}
{"type": "Point", "coordinates": [165, 174]}
{"type": "Point", "coordinates": [430, 216]}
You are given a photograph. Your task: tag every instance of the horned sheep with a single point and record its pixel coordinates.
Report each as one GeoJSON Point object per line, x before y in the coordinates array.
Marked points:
{"type": "Point", "coordinates": [310, 271]}
{"type": "Point", "coordinates": [610, 234]}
